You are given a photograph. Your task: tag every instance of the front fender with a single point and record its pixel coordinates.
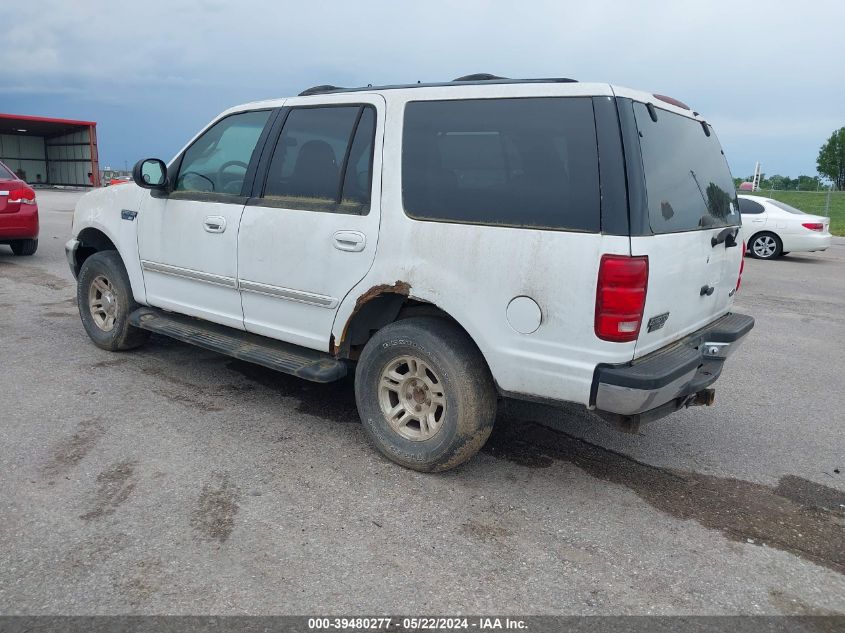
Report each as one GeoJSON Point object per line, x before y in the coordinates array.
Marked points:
{"type": "Point", "coordinates": [103, 210]}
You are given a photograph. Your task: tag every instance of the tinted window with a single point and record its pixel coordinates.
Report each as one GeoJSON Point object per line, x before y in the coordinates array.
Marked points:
{"type": "Point", "coordinates": [749, 206]}
{"type": "Point", "coordinates": [786, 207]}
{"type": "Point", "coordinates": [217, 161]}
{"type": "Point", "coordinates": [515, 162]}
{"type": "Point", "coordinates": [359, 169]}
{"type": "Point", "coordinates": [323, 160]}
{"type": "Point", "coordinates": [688, 183]}
{"type": "Point", "coordinates": [5, 174]}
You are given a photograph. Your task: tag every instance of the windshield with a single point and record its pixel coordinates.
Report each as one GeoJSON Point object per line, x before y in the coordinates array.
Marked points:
{"type": "Point", "coordinates": [6, 174]}
{"type": "Point", "coordinates": [688, 183]}
{"type": "Point", "coordinates": [786, 207]}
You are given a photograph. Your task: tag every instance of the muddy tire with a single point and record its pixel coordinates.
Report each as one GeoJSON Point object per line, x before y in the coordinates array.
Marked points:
{"type": "Point", "coordinates": [23, 248]}
{"type": "Point", "coordinates": [105, 301]}
{"type": "Point", "coordinates": [425, 394]}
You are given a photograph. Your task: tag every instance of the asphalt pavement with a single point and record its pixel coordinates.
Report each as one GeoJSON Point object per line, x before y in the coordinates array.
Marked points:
{"type": "Point", "coordinates": [175, 480]}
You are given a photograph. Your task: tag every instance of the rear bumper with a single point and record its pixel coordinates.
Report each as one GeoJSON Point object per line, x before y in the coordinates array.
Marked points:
{"type": "Point", "coordinates": [811, 241]}
{"type": "Point", "coordinates": [666, 380]}
{"type": "Point", "coordinates": [21, 225]}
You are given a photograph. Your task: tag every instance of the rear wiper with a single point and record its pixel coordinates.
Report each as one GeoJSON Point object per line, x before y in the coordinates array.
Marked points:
{"type": "Point", "coordinates": [728, 236]}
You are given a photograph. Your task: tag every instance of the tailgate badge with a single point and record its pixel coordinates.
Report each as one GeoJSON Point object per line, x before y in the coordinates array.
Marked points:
{"type": "Point", "coordinates": [657, 322]}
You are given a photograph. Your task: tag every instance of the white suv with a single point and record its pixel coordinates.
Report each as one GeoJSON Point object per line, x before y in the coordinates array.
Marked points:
{"type": "Point", "coordinates": [449, 243]}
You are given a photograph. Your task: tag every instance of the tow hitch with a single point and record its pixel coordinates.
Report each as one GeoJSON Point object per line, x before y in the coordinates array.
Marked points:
{"type": "Point", "coordinates": [703, 398]}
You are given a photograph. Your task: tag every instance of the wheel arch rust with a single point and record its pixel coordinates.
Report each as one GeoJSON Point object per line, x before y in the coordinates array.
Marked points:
{"type": "Point", "coordinates": [374, 308]}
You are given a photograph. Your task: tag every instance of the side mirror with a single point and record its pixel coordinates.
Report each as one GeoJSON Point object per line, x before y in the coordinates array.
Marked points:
{"type": "Point", "coordinates": [150, 173]}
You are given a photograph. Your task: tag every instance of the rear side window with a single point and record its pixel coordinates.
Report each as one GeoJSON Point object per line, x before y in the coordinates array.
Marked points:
{"type": "Point", "coordinates": [747, 206]}
{"type": "Point", "coordinates": [787, 208]}
{"type": "Point", "coordinates": [688, 183]}
{"type": "Point", "coordinates": [529, 162]}
{"type": "Point", "coordinates": [323, 160]}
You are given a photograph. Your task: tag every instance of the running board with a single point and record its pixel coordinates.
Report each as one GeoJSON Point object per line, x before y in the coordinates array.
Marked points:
{"type": "Point", "coordinates": [284, 357]}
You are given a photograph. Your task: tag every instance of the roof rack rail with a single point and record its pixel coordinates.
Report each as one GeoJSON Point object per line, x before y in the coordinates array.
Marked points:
{"type": "Point", "coordinates": [479, 77]}
{"type": "Point", "coordinates": [315, 90]}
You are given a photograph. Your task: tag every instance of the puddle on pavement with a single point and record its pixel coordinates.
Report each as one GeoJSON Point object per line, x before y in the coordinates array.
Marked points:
{"type": "Point", "coordinates": [798, 516]}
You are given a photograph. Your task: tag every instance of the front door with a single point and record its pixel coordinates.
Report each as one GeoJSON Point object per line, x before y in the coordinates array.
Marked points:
{"type": "Point", "coordinates": [310, 233]}
{"type": "Point", "coordinates": [188, 238]}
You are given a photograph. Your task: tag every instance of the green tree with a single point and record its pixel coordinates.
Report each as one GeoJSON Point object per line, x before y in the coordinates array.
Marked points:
{"type": "Point", "coordinates": [808, 183]}
{"type": "Point", "coordinates": [777, 182]}
{"type": "Point", "coordinates": [831, 161]}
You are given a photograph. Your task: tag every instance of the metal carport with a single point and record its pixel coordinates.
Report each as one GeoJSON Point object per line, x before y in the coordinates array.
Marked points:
{"type": "Point", "coordinates": [50, 151]}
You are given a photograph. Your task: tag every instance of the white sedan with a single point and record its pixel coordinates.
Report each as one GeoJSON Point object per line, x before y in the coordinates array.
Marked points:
{"type": "Point", "coordinates": [772, 228]}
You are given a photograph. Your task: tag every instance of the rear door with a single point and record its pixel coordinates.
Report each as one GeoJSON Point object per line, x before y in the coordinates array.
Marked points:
{"type": "Point", "coordinates": [309, 233]}
{"type": "Point", "coordinates": [689, 205]}
{"type": "Point", "coordinates": [754, 216]}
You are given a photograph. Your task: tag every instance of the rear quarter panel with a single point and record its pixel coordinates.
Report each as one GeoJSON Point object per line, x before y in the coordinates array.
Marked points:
{"type": "Point", "coordinates": [473, 272]}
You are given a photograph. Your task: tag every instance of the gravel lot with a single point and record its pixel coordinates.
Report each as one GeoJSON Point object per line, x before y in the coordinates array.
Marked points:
{"type": "Point", "coordinates": [174, 480]}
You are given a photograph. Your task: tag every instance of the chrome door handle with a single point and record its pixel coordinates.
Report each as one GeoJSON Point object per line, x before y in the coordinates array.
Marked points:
{"type": "Point", "coordinates": [351, 241]}
{"type": "Point", "coordinates": [214, 224]}
{"type": "Point", "coordinates": [756, 220]}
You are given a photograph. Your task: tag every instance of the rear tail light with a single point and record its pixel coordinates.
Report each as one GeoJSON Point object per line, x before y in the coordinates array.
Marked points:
{"type": "Point", "coordinates": [813, 226]}
{"type": "Point", "coordinates": [22, 195]}
{"type": "Point", "coordinates": [741, 266]}
{"type": "Point", "coordinates": [620, 297]}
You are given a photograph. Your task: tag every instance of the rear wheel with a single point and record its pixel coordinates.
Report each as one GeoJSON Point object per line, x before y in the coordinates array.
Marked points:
{"type": "Point", "coordinates": [766, 246]}
{"type": "Point", "coordinates": [105, 301]}
{"type": "Point", "coordinates": [424, 393]}
{"type": "Point", "coordinates": [24, 247]}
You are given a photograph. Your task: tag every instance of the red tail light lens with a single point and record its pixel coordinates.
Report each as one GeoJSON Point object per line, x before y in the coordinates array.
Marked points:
{"type": "Point", "coordinates": [620, 297]}
{"type": "Point", "coordinates": [22, 195]}
{"type": "Point", "coordinates": [741, 266]}
{"type": "Point", "coordinates": [813, 226]}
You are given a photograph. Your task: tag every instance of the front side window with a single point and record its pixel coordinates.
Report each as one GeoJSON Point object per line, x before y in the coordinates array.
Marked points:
{"type": "Point", "coordinates": [527, 162]}
{"type": "Point", "coordinates": [688, 183]}
{"type": "Point", "coordinates": [323, 160]}
{"type": "Point", "coordinates": [747, 206]}
{"type": "Point", "coordinates": [217, 161]}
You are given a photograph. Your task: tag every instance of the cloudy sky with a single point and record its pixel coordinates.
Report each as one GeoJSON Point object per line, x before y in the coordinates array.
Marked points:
{"type": "Point", "coordinates": [768, 76]}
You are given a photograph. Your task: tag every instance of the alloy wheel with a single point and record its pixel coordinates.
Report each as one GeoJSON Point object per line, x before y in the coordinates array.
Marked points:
{"type": "Point", "coordinates": [411, 398]}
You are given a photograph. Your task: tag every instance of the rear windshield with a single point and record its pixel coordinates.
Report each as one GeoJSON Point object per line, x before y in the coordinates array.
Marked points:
{"type": "Point", "coordinates": [786, 207]}
{"type": "Point", "coordinates": [530, 162]}
{"type": "Point", "coordinates": [688, 183]}
{"type": "Point", "coordinates": [6, 174]}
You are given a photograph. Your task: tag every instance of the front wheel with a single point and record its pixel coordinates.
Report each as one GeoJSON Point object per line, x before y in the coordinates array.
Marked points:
{"type": "Point", "coordinates": [766, 246]}
{"type": "Point", "coordinates": [105, 301]}
{"type": "Point", "coordinates": [424, 393]}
